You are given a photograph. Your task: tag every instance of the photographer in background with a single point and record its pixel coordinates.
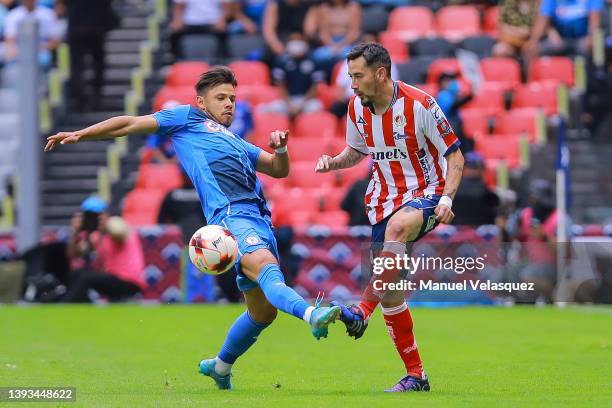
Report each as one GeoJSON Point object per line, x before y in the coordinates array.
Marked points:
{"type": "Point", "coordinates": [105, 255]}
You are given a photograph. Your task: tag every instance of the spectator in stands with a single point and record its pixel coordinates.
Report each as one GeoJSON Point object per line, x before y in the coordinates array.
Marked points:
{"type": "Point", "coordinates": [451, 100]}
{"type": "Point", "coordinates": [537, 231]}
{"type": "Point", "coordinates": [199, 17]}
{"type": "Point", "coordinates": [247, 16]}
{"type": "Point", "coordinates": [476, 204]}
{"type": "Point", "coordinates": [338, 28]}
{"type": "Point", "coordinates": [516, 19]}
{"type": "Point", "coordinates": [88, 24]}
{"type": "Point", "coordinates": [48, 31]}
{"type": "Point", "coordinates": [242, 125]}
{"type": "Point", "coordinates": [297, 77]}
{"type": "Point", "coordinates": [106, 255]}
{"type": "Point", "coordinates": [283, 18]}
{"type": "Point", "coordinates": [575, 21]}
{"type": "Point", "coordinates": [353, 202]}
{"type": "Point", "coordinates": [161, 146]}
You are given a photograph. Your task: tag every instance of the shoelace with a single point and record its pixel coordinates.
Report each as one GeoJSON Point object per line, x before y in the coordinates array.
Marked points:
{"type": "Point", "coordinates": [319, 299]}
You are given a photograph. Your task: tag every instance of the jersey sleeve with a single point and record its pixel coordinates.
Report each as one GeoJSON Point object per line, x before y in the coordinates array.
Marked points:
{"type": "Point", "coordinates": [354, 138]}
{"type": "Point", "coordinates": [253, 152]}
{"type": "Point", "coordinates": [437, 129]}
{"type": "Point", "coordinates": [172, 120]}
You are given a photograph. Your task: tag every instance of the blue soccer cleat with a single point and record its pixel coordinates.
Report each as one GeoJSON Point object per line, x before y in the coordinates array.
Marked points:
{"type": "Point", "coordinates": [352, 317]}
{"type": "Point", "coordinates": [411, 384]}
{"type": "Point", "coordinates": [321, 317]}
{"type": "Point", "coordinates": [207, 368]}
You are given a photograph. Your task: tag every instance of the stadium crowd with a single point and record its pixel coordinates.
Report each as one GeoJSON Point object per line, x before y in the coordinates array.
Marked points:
{"type": "Point", "coordinates": [289, 56]}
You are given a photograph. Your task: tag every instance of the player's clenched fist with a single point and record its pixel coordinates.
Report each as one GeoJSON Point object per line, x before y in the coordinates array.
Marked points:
{"type": "Point", "coordinates": [444, 214]}
{"type": "Point", "coordinates": [278, 139]}
{"type": "Point", "coordinates": [324, 164]}
{"type": "Point", "coordinates": [61, 138]}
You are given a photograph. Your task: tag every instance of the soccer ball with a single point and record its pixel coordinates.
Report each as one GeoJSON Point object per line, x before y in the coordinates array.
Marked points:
{"type": "Point", "coordinates": [213, 249]}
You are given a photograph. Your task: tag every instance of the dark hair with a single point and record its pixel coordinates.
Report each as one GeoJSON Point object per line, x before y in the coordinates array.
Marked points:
{"type": "Point", "coordinates": [375, 55]}
{"type": "Point", "coordinates": [217, 75]}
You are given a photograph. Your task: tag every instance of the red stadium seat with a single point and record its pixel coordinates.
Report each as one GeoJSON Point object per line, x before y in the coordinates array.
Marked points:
{"type": "Point", "coordinates": [559, 69]}
{"type": "Point", "coordinates": [490, 98]}
{"type": "Point", "coordinates": [475, 121]}
{"type": "Point", "coordinates": [328, 94]}
{"type": "Point", "coordinates": [316, 124]}
{"type": "Point", "coordinates": [411, 22]}
{"type": "Point", "coordinates": [299, 199]}
{"type": "Point", "coordinates": [251, 72]}
{"type": "Point", "coordinates": [331, 198]}
{"type": "Point", "coordinates": [168, 97]}
{"type": "Point", "coordinates": [500, 147]}
{"type": "Point", "coordinates": [491, 20]}
{"type": "Point", "coordinates": [536, 95]}
{"type": "Point", "coordinates": [431, 89]}
{"type": "Point", "coordinates": [458, 22]}
{"type": "Point", "coordinates": [266, 123]}
{"type": "Point", "coordinates": [393, 42]}
{"type": "Point", "coordinates": [331, 218]}
{"type": "Point", "coordinates": [441, 65]}
{"type": "Point", "coordinates": [186, 73]}
{"type": "Point", "coordinates": [141, 207]}
{"type": "Point", "coordinates": [501, 70]}
{"type": "Point", "coordinates": [163, 177]}
{"type": "Point", "coordinates": [302, 174]}
{"type": "Point", "coordinates": [258, 94]}
{"type": "Point", "coordinates": [518, 121]}
{"type": "Point", "coordinates": [490, 173]}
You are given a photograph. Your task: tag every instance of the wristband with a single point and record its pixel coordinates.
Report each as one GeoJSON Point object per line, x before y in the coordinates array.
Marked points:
{"type": "Point", "coordinates": [281, 150]}
{"type": "Point", "coordinates": [446, 200]}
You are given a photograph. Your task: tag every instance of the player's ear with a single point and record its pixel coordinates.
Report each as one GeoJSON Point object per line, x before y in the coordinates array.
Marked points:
{"type": "Point", "coordinates": [200, 102]}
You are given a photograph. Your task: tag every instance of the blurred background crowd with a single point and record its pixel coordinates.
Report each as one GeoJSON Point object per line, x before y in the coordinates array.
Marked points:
{"type": "Point", "coordinates": [517, 79]}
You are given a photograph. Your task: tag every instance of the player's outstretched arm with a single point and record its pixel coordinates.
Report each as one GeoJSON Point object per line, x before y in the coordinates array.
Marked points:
{"type": "Point", "coordinates": [453, 178]}
{"type": "Point", "coordinates": [113, 127]}
{"type": "Point", "coordinates": [277, 164]}
{"type": "Point", "coordinates": [349, 157]}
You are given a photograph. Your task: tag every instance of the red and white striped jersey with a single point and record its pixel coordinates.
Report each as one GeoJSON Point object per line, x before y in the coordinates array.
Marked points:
{"type": "Point", "coordinates": [407, 143]}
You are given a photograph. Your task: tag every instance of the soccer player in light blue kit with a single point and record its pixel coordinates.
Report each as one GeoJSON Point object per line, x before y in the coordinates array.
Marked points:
{"type": "Point", "coordinates": [222, 168]}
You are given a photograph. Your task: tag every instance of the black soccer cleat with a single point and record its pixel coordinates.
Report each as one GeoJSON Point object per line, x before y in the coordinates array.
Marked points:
{"type": "Point", "coordinates": [352, 317]}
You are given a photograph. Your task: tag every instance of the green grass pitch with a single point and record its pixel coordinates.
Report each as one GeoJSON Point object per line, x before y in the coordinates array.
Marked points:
{"type": "Point", "coordinates": [134, 356]}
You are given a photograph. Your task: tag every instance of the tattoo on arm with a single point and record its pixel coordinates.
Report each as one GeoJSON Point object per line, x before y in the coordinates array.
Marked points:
{"type": "Point", "coordinates": [348, 158]}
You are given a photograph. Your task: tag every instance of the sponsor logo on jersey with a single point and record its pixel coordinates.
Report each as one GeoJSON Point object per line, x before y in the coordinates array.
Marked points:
{"type": "Point", "coordinates": [422, 156]}
{"type": "Point", "coordinates": [391, 154]}
{"type": "Point", "coordinates": [214, 127]}
{"type": "Point", "coordinates": [399, 136]}
{"type": "Point", "coordinates": [442, 124]}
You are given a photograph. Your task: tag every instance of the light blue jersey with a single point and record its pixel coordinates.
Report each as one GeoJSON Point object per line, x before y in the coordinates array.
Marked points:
{"type": "Point", "coordinates": [220, 164]}
{"type": "Point", "coordinates": [222, 169]}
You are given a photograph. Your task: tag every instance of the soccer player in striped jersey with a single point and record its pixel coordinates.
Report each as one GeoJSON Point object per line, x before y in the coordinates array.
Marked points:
{"type": "Point", "coordinates": [417, 168]}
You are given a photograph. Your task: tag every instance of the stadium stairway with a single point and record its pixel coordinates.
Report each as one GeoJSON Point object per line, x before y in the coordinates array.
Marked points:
{"type": "Point", "coordinates": [591, 183]}
{"type": "Point", "coordinates": [70, 173]}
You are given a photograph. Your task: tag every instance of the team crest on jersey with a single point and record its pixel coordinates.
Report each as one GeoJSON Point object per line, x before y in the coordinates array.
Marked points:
{"type": "Point", "coordinates": [399, 121]}
{"type": "Point", "coordinates": [252, 240]}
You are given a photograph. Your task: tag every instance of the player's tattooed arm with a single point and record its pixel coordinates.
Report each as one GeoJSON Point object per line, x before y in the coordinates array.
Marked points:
{"type": "Point", "coordinates": [453, 175]}
{"type": "Point", "coordinates": [349, 157]}
{"type": "Point", "coordinates": [113, 127]}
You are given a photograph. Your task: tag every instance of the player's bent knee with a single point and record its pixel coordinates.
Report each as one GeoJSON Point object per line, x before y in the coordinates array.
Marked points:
{"type": "Point", "coordinates": [252, 263]}
{"type": "Point", "coordinates": [404, 226]}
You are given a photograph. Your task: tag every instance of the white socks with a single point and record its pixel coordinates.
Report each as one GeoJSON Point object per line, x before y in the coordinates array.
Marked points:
{"type": "Point", "coordinates": [307, 314]}
{"type": "Point", "coordinates": [221, 367]}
